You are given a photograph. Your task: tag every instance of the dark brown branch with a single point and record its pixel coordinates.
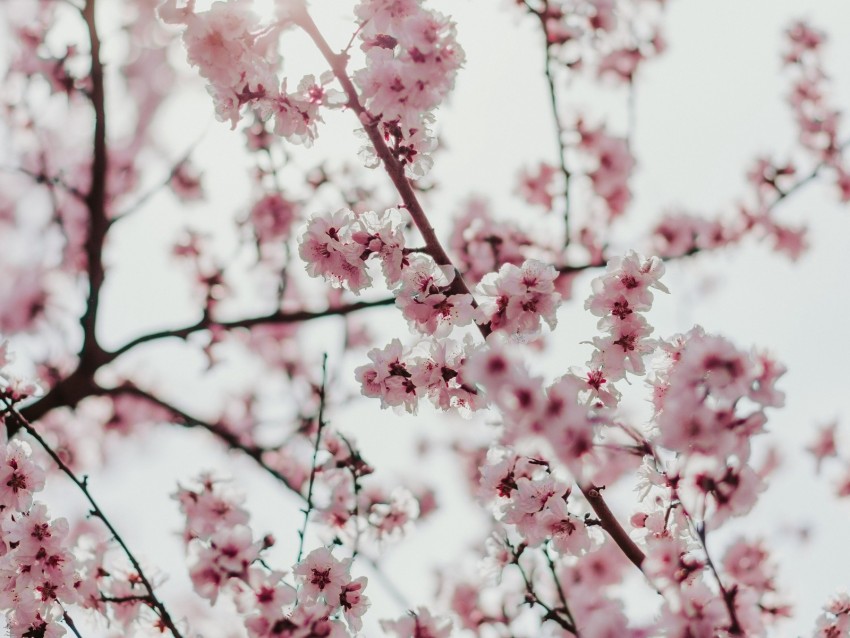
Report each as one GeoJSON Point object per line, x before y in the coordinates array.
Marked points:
{"type": "Point", "coordinates": [278, 317]}
{"type": "Point", "coordinates": [560, 588]}
{"type": "Point", "coordinates": [610, 524]}
{"type": "Point", "coordinates": [156, 604]}
{"type": "Point", "coordinates": [96, 197]}
{"type": "Point", "coordinates": [70, 623]}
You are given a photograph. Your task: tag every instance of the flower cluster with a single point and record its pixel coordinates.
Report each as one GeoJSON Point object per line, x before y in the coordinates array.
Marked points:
{"type": "Point", "coordinates": [537, 188]}
{"type": "Point", "coordinates": [227, 560]}
{"type": "Point", "coordinates": [336, 247]}
{"type": "Point", "coordinates": [482, 244]}
{"type": "Point", "coordinates": [610, 39]}
{"type": "Point", "coordinates": [557, 414]}
{"type": "Point", "coordinates": [619, 297]}
{"type": "Point", "coordinates": [399, 378]}
{"type": "Point", "coordinates": [425, 298]}
{"type": "Point", "coordinates": [835, 620]}
{"type": "Point", "coordinates": [420, 623]}
{"type": "Point", "coordinates": [237, 55]}
{"type": "Point", "coordinates": [38, 570]}
{"type": "Point", "coordinates": [412, 57]}
{"type": "Point", "coordinates": [272, 217]}
{"type": "Point", "coordinates": [534, 502]}
{"type": "Point", "coordinates": [680, 233]}
{"type": "Point", "coordinates": [517, 298]}
{"type": "Point", "coordinates": [818, 122]}
{"type": "Point", "coordinates": [710, 399]}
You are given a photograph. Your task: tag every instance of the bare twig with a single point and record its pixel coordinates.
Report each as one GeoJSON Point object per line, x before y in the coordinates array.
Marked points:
{"type": "Point", "coordinates": [320, 425]}
{"type": "Point", "coordinates": [69, 622]}
{"type": "Point", "coordinates": [532, 598]}
{"type": "Point", "coordinates": [556, 115]}
{"type": "Point", "coordinates": [727, 594]}
{"type": "Point", "coordinates": [559, 587]}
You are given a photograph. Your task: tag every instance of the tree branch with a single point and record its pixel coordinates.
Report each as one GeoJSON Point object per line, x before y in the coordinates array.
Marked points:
{"type": "Point", "coordinates": [277, 317]}
{"type": "Point", "coordinates": [96, 197]}
{"type": "Point", "coordinates": [319, 427]}
{"type": "Point", "coordinates": [610, 524]}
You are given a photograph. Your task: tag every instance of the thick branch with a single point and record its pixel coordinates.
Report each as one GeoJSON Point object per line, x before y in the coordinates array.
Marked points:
{"type": "Point", "coordinates": [96, 197]}
{"type": "Point", "coordinates": [611, 525]}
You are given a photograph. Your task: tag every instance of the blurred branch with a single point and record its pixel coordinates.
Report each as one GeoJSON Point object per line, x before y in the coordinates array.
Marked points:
{"type": "Point", "coordinates": [531, 597]}
{"type": "Point", "coordinates": [230, 439]}
{"type": "Point", "coordinates": [91, 351]}
{"type": "Point", "coordinates": [556, 110]}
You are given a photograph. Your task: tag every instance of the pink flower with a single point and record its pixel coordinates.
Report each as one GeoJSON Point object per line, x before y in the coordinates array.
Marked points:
{"type": "Point", "coordinates": [354, 604]}
{"type": "Point", "coordinates": [330, 251]}
{"type": "Point", "coordinates": [747, 562]}
{"type": "Point", "coordinates": [20, 478]}
{"type": "Point", "coordinates": [323, 576]}
{"type": "Point", "coordinates": [272, 217]}
{"type": "Point", "coordinates": [537, 188]}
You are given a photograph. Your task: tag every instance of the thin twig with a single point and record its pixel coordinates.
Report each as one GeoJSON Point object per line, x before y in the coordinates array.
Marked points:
{"type": "Point", "coordinates": [230, 439]}
{"type": "Point", "coordinates": [727, 594]}
{"type": "Point", "coordinates": [532, 597]}
{"type": "Point", "coordinates": [353, 467]}
{"type": "Point", "coordinates": [97, 512]}
{"type": "Point", "coordinates": [556, 116]}
{"type": "Point", "coordinates": [319, 427]}
{"type": "Point", "coordinates": [146, 196]}
{"type": "Point", "coordinates": [559, 587]}
{"type": "Point", "coordinates": [69, 622]}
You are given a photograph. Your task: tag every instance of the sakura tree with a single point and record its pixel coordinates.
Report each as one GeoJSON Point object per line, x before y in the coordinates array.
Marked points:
{"type": "Point", "coordinates": [288, 374]}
